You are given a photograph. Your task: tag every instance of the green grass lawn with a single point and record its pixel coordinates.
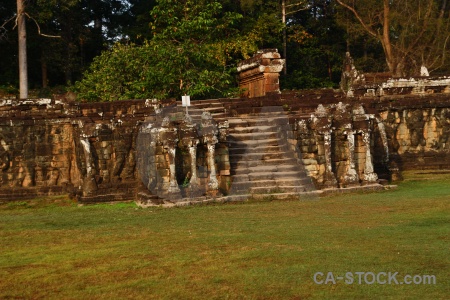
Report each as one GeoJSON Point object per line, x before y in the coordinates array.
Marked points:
{"type": "Point", "coordinates": [53, 249]}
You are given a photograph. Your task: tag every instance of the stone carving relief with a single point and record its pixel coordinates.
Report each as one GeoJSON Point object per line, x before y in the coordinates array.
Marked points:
{"type": "Point", "coordinates": [104, 154]}
{"type": "Point", "coordinates": [338, 137]}
{"type": "Point", "coordinates": [177, 154]}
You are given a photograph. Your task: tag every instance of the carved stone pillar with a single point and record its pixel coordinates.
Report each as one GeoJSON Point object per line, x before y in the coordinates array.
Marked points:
{"type": "Point", "coordinates": [209, 134]}
{"type": "Point", "coordinates": [168, 134]}
{"type": "Point", "coordinates": [352, 176]}
{"type": "Point", "coordinates": [330, 179]}
{"type": "Point", "coordinates": [173, 184]}
{"type": "Point", "coordinates": [369, 174]}
{"type": "Point", "coordinates": [189, 139]}
{"type": "Point", "coordinates": [89, 183]}
{"type": "Point", "coordinates": [345, 145]}
{"type": "Point", "coordinates": [321, 125]}
{"type": "Point", "coordinates": [193, 154]}
{"type": "Point", "coordinates": [213, 182]}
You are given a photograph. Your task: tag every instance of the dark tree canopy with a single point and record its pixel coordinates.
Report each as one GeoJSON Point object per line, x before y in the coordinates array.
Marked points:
{"type": "Point", "coordinates": [118, 49]}
{"type": "Point", "coordinates": [412, 34]}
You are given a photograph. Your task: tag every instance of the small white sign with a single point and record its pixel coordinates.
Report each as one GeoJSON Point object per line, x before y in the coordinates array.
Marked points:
{"type": "Point", "coordinates": [186, 100]}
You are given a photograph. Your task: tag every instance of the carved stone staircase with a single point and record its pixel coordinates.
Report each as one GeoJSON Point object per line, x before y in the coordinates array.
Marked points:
{"type": "Point", "coordinates": [263, 163]}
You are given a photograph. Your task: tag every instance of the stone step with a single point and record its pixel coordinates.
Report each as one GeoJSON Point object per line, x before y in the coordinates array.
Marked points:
{"type": "Point", "coordinates": [207, 105]}
{"type": "Point", "coordinates": [241, 178]}
{"type": "Point", "coordinates": [288, 176]}
{"type": "Point", "coordinates": [265, 168]}
{"type": "Point", "coordinates": [194, 112]}
{"type": "Point", "coordinates": [253, 143]}
{"type": "Point", "coordinates": [214, 109]}
{"type": "Point", "coordinates": [273, 175]}
{"type": "Point", "coordinates": [262, 121]}
{"type": "Point", "coordinates": [267, 112]}
{"type": "Point", "coordinates": [256, 156]}
{"type": "Point", "coordinates": [303, 180]}
{"type": "Point", "coordinates": [270, 188]}
{"type": "Point", "coordinates": [253, 136]}
{"type": "Point", "coordinates": [278, 189]}
{"type": "Point", "coordinates": [200, 104]}
{"type": "Point", "coordinates": [267, 176]}
{"type": "Point", "coordinates": [253, 129]}
{"type": "Point", "coordinates": [288, 181]}
{"type": "Point", "coordinates": [253, 163]}
{"type": "Point", "coordinates": [219, 117]}
{"type": "Point", "coordinates": [257, 149]}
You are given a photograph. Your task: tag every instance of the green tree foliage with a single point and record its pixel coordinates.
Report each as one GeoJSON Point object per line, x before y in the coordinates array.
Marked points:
{"type": "Point", "coordinates": [194, 50]}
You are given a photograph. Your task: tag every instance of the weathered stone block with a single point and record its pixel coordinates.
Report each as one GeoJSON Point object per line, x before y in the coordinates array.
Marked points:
{"type": "Point", "coordinates": [309, 161]}
{"type": "Point", "coordinates": [224, 166]}
{"type": "Point", "coordinates": [320, 149]}
{"type": "Point", "coordinates": [159, 150]}
{"type": "Point", "coordinates": [163, 172]}
{"type": "Point", "coordinates": [305, 149]}
{"type": "Point", "coordinates": [308, 155]}
{"type": "Point", "coordinates": [160, 159]}
{"type": "Point", "coordinates": [58, 164]}
{"type": "Point", "coordinates": [312, 168]}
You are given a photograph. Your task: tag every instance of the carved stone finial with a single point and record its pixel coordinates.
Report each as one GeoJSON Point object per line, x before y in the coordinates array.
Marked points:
{"type": "Point", "coordinates": [302, 126]}
{"type": "Point", "coordinates": [341, 108]}
{"type": "Point", "coordinates": [206, 116]}
{"type": "Point", "coordinates": [358, 110]}
{"type": "Point", "coordinates": [187, 119]}
{"type": "Point", "coordinates": [350, 75]}
{"type": "Point", "coordinates": [321, 111]}
{"type": "Point", "coordinates": [165, 122]}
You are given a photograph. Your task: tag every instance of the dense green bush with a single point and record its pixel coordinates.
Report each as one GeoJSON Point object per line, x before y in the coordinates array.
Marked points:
{"type": "Point", "coordinates": [194, 50]}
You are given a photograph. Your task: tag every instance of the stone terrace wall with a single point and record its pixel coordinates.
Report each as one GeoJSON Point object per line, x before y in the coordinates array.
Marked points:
{"type": "Point", "coordinates": [49, 147]}
{"type": "Point", "coordinates": [88, 149]}
{"type": "Point", "coordinates": [417, 126]}
{"type": "Point", "coordinates": [36, 148]}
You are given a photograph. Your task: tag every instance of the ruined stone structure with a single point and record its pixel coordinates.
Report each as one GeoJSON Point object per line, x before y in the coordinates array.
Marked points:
{"type": "Point", "coordinates": [259, 75]}
{"type": "Point", "coordinates": [280, 144]}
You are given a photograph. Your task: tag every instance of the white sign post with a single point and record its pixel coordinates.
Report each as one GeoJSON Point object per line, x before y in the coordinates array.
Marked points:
{"type": "Point", "coordinates": [186, 101]}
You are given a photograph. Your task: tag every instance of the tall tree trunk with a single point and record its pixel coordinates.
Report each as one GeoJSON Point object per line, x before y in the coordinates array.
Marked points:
{"type": "Point", "coordinates": [283, 18]}
{"type": "Point", "coordinates": [395, 64]}
{"type": "Point", "coordinates": [443, 7]}
{"type": "Point", "coordinates": [386, 40]}
{"type": "Point", "coordinates": [23, 68]}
